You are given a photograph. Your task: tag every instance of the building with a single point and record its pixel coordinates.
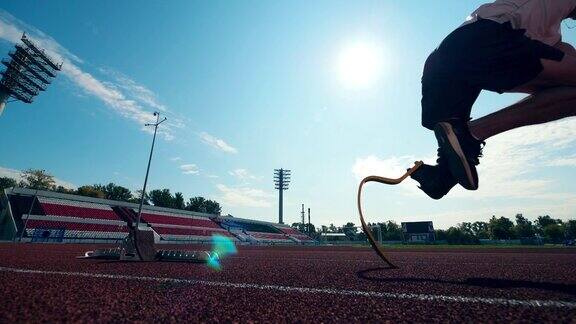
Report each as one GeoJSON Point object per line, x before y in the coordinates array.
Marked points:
{"type": "Point", "coordinates": [418, 232]}
{"type": "Point", "coordinates": [29, 215]}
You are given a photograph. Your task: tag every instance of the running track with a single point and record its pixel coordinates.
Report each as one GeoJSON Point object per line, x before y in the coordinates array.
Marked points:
{"type": "Point", "coordinates": [45, 283]}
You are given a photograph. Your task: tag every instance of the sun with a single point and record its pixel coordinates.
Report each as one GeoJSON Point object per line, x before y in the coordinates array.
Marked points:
{"type": "Point", "coordinates": [360, 64]}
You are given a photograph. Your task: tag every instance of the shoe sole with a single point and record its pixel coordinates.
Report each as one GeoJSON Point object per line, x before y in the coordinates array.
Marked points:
{"type": "Point", "coordinates": [457, 161]}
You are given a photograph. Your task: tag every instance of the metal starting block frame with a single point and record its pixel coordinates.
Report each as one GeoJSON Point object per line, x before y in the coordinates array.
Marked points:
{"type": "Point", "coordinates": [139, 246]}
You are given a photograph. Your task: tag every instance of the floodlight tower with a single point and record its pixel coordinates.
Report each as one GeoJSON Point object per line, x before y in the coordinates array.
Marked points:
{"type": "Point", "coordinates": [281, 182]}
{"type": "Point", "coordinates": [28, 71]}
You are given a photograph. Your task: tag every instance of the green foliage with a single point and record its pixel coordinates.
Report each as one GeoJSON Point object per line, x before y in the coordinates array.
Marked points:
{"type": "Point", "coordinates": [90, 191]}
{"type": "Point", "coordinates": [196, 204]}
{"type": "Point", "coordinates": [299, 226]}
{"type": "Point", "coordinates": [161, 198]}
{"type": "Point", "coordinates": [570, 229]}
{"type": "Point", "coordinates": [65, 190]}
{"type": "Point", "coordinates": [310, 228]}
{"type": "Point", "coordinates": [524, 227]}
{"type": "Point", "coordinates": [501, 228]}
{"type": "Point", "coordinates": [7, 183]}
{"type": "Point", "coordinates": [391, 231]}
{"type": "Point", "coordinates": [461, 234]}
{"type": "Point", "coordinates": [178, 202]}
{"type": "Point", "coordinates": [37, 179]}
{"type": "Point", "coordinates": [201, 205]}
{"type": "Point", "coordinates": [115, 192]}
{"type": "Point", "coordinates": [349, 229]}
{"type": "Point", "coordinates": [138, 196]}
{"type": "Point", "coordinates": [543, 221]}
{"type": "Point", "coordinates": [480, 230]}
{"type": "Point", "coordinates": [554, 233]}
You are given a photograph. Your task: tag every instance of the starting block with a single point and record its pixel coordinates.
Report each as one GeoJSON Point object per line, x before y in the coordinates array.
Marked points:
{"type": "Point", "coordinates": [139, 246]}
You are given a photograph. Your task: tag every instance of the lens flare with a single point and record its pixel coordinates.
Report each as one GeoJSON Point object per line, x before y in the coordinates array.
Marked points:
{"type": "Point", "coordinates": [222, 246]}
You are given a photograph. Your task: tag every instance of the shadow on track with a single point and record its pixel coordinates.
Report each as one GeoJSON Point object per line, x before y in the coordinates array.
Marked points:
{"type": "Point", "coordinates": [478, 282]}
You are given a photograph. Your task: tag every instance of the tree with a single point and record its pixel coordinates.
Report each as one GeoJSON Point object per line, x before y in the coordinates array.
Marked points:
{"type": "Point", "coordinates": [162, 198]}
{"type": "Point", "coordinates": [136, 198]}
{"type": "Point", "coordinates": [466, 228]}
{"type": "Point", "coordinates": [543, 221]}
{"type": "Point", "coordinates": [115, 192]}
{"type": "Point", "coordinates": [554, 232]}
{"type": "Point", "coordinates": [196, 204]}
{"type": "Point", "coordinates": [458, 235]}
{"type": "Point", "coordinates": [201, 205]}
{"type": "Point", "coordinates": [391, 231]}
{"type": "Point", "coordinates": [65, 190]}
{"type": "Point", "coordinates": [90, 191]}
{"type": "Point", "coordinates": [350, 228]}
{"type": "Point", "coordinates": [37, 179]}
{"type": "Point", "coordinates": [332, 228]}
{"type": "Point", "coordinates": [501, 228]}
{"type": "Point", "coordinates": [179, 201]}
{"type": "Point", "coordinates": [213, 207]}
{"type": "Point", "coordinates": [440, 235]}
{"type": "Point", "coordinates": [570, 229]}
{"type": "Point", "coordinates": [7, 183]}
{"type": "Point", "coordinates": [524, 227]}
{"type": "Point", "coordinates": [299, 227]}
{"type": "Point", "coordinates": [310, 229]}
{"type": "Point", "coordinates": [480, 230]}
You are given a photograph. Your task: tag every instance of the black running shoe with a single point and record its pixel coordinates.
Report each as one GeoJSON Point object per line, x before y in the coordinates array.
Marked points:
{"type": "Point", "coordinates": [461, 150]}
{"type": "Point", "coordinates": [435, 180]}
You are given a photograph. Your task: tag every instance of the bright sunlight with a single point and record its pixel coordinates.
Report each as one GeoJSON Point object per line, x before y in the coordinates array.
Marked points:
{"type": "Point", "coordinates": [360, 65]}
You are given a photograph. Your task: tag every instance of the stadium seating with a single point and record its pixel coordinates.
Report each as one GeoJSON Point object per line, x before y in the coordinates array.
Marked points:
{"type": "Point", "coordinates": [66, 220]}
{"type": "Point", "coordinates": [295, 234]}
{"type": "Point", "coordinates": [182, 227]}
{"type": "Point", "coordinates": [270, 237]}
{"type": "Point", "coordinates": [61, 207]}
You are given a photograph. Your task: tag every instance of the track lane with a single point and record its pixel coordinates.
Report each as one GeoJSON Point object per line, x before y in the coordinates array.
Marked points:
{"type": "Point", "coordinates": [542, 276]}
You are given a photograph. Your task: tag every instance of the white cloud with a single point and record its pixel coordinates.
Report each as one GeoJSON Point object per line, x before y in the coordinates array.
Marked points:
{"type": "Point", "coordinates": [563, 161]}
{"type": "Point", "coordinates": [217, 143]}
{"type": "Point", "coordinates": [242, 174]}
{"type": "Point", "coordinates": [244, 197]}
{"type": "Point", "coordinates": [176, 159]}
{"type": "Point", "coordinates": [190, 169]}
{"type": "Point", "coordinates": [16, 175]}
{"type": "Point", "coordinates": [122, 95]}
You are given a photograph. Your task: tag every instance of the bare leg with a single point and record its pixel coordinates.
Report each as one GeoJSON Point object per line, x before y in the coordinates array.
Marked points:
{"type": "Point", "coordinates": [544, 106]}
{"type": "Point", "coordinates": [553, 97]}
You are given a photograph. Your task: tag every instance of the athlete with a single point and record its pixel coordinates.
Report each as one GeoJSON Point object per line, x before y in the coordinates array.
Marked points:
{"type": "Point", "coordinates": [508, 46]}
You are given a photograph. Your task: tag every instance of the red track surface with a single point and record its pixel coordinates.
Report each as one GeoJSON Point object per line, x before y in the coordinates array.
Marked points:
{"type": "Point", "coordinates": [347, 285]}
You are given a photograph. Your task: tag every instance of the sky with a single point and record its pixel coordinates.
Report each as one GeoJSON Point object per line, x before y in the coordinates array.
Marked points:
{"type": "Point", "coordinates": [327, 89]}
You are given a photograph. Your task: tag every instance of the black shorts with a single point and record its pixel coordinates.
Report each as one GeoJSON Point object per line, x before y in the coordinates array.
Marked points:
{"type": "Point", "coordinates": [483, 55]}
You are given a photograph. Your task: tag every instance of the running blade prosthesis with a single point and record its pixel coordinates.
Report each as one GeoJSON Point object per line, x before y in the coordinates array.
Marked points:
{"type": "Point", "coordinates": [389, 181]}
{"type": "Point", "coordinates": [139, 246]}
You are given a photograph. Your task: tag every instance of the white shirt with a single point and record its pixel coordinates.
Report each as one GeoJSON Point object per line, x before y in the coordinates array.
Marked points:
{"type": "Point", "coordinates": [540, 18]}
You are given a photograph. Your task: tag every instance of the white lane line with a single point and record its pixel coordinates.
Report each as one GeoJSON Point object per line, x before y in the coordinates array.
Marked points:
{"type": "Point", "coordinates": [327, 291]}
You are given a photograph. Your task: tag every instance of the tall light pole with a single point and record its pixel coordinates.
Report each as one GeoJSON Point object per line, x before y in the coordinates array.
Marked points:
{"type": "Point", "coordinates": [281, 181]}
{"type": "Point", "coordinates": [29, 71]}
{"type": "Point", "coordinates": [158, 122]}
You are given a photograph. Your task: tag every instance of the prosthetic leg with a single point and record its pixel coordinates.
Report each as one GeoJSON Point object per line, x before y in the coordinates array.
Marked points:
{"type": "Point", "coordinates": [377, 247]}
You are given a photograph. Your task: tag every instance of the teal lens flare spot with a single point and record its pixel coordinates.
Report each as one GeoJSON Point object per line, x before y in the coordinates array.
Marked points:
{"type": "Point", "coordinates": [222, 246]}
{"type": "Point", "coordinates": [214, 262]}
